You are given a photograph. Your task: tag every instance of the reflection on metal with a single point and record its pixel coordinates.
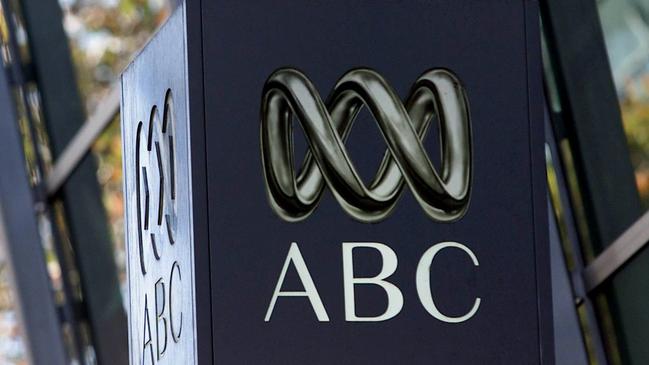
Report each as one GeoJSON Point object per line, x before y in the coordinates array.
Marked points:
{"type": "Point", "coordinates": [437, 93]}
{"type": "Point", "coordinates": [80, 145]}
{"type": "Point", "coordinates": [623, 249]}
{"type": "Point", "coordinates": [158, 204]}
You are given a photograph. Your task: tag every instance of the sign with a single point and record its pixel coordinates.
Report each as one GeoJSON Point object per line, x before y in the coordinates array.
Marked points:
{"type": "Point", "coordinates": [158, 195]}
{"type": "Point", "coordinates": [338, 182]}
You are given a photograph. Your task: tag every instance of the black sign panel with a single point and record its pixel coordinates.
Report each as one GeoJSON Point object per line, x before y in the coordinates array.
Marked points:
{"type": "Point", "coordinates": [367, 185]}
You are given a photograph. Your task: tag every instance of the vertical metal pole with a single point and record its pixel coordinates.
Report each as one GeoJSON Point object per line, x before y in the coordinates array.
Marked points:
{"type": "Point", "coordinates": [16, 69]}
{"type": "Point", "coordinates": [578, 293]}
{"type": "Point", "coordinates": [568, 338]}
{"type": "Point", "coordinates": [19, 235]}
{"type": "Point", "coordinates": [81, 196]}
{"type": "Point", "coordinates": [594, 128]}
{"type": "Point", "coordinates": [592, 117]}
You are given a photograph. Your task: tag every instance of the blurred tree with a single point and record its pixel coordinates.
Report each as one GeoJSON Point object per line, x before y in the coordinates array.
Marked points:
{"type": "Point", "coordinates": [634, 103]}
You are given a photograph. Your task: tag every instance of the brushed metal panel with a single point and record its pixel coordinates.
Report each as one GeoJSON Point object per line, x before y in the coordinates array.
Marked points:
{"type": "Point", "coordinates": [159, 235]}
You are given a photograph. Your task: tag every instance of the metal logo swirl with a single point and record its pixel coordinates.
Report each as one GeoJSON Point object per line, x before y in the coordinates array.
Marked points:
{"type": "Point", "coordinates": [437, 94]}
{"type": "Point", "coordinates": [155, 178]}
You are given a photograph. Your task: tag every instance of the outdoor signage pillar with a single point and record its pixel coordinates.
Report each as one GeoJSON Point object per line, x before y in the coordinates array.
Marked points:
{"type": "Point", "coordinates": [338, 182]}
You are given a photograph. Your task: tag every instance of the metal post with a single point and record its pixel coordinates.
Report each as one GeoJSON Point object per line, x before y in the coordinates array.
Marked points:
{"type": "Point", "coordinates": [81, 196]}
{"type": "Point", "coordinates": [578, 296]}
{"type": "Point", "coordinates": [19, 236]}
{"type": "Point", "coordinates": [593, 125]}
{"type": "Point", "coordinates": [592, 117]}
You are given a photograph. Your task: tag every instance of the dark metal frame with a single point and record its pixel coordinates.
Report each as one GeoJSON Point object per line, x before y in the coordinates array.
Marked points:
{"type": "Point", "coordinates": [574, 276]}
{"type": "Point", "coordinates": [591, 117]}
{"type": "Point", "coordinates": [71, 182]}
{"type": "Point", "coordinates": [617, 254]}
{"type": "Point", "coordinates": [22, 243]}
{"type": "Point", "coordinates": [80, 194]}
{"type": "Point", "coordinates": [79, 146]}
{"type": "Point", "coordinates": [18, 78]}
{"type": "Point", "coordinates": [590, 120]}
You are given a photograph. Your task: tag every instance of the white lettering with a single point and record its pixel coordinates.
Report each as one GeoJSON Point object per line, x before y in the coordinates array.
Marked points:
{"type": "Point", "coordinates": [294, 256]}
{"type": "Point", "coordinates": [389, 260]}
{"type": "Point", "coordinates": [423, 282]}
